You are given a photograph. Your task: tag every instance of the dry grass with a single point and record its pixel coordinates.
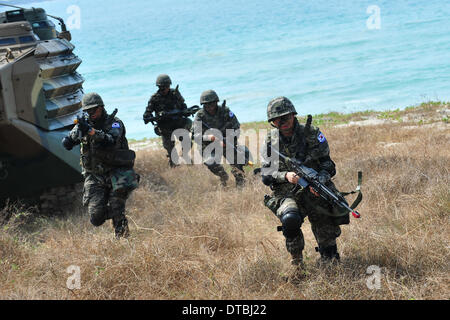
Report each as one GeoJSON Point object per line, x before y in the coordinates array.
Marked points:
{"type": "Point", "coordinates": [191, 239]}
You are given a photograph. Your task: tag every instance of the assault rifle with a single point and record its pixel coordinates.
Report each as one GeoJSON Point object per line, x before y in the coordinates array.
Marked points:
{"type": "Point", "coordinates": [84, 127]}
{"type": "Point", "coordinates": [310, 178]}
{"type": "Point", "coordinates": [173, 114]}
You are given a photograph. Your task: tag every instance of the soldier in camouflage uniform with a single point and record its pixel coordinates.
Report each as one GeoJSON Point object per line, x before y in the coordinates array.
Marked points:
{"type": "Point", "coordinates": [213, 116]}
{"type": "Point", "coordinates": [291, 206]}
{"type": "Point", "coordinates": [164, 100]}
{"type": "Point", "coordinates": [107, 164]}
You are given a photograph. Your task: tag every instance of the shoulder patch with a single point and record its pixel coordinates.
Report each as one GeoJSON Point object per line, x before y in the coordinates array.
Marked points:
{"type": "Point", "coordinates": [321, 137]}
{"type": "Point", "coordinates": [116, 125]}
{"type": "Point", "coordinates": [231, 114]}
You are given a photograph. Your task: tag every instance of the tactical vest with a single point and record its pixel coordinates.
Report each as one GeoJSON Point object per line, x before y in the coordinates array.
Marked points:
{"type": "Point", "coordinates": [171, 101]}
{"type": "Point", "coordinates": [303, 146]}
{"type": "Point", "coordinates": [100, 159]}
{"type": "Point", "coordinates": [221, 121]}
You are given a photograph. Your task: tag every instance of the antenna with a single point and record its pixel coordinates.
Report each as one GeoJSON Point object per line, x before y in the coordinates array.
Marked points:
{"type": "Point", "coordinates": [10, 5]}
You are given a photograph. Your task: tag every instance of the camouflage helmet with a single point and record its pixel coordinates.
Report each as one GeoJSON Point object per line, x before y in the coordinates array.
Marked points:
{"type": "Point", "coordinates": [209, 96]}
{"type": "Point", "coordinates": [163, 80]}
{"type": "Point", "coordinates": [279, 107]}
{"type": "Point", "coordinates": [91, 100]}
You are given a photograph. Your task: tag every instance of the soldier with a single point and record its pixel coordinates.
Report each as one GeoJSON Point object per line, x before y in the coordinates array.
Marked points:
{"type": "Point", "coordinates": [107, 164]}
{"type": "Point", "coordinates": [291, 206]}
{"type": "Point", "coordinates": [212, 116]}
{"type": "Point", "coordinates": [164, 100]}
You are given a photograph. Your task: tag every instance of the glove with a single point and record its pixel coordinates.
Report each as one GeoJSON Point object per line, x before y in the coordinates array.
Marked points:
{"type": "Point", "coordinates": [68, 143]}
{"type": "Point", "coordinates": [323, 177]}
{"type": "Point", "coordinates": [267, 180]}
{"type": "Point", "coordinates": [99, 136]}
{"type": "Point", "coordinates": [102, 139]}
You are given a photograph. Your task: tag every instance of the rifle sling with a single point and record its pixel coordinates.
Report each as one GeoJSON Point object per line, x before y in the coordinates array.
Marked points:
{"type": "Point", "coordinates": [357, 190]}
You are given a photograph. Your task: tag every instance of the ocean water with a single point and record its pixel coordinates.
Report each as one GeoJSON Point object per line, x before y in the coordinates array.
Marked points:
{"type": "Point", "coordinates": [334, 55]}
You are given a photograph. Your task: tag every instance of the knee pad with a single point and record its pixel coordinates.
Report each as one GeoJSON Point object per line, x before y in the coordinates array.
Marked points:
{"type": "Point", "coordinates": [291, 221]}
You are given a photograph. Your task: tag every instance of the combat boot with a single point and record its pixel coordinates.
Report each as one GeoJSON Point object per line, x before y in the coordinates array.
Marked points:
{"type": "Point", "coordinates": [171, 163]}
{"type": "Point", "coordinates": [223, 180]}
{"type": "Point", "coordinates": [328, 255]}
{"type": "Point", "coordinates": [297, 260]}
{"type": "Point", "coordinates": [121, 228]}
{"type": "Point", "coordinates": [239, 176]}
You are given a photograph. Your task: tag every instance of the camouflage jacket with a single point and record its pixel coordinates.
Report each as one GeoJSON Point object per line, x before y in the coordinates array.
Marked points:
{"type": "Point", "coordinates": [222, 120]}
{"type": "Point", "coordinates": [159, 103]}
{"type": "Point", "coordinates": [106, 149]}
{"type": "Point", "coordinates": [309, 147]}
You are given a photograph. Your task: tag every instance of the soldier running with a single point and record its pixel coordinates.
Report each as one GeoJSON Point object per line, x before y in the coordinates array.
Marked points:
{"type": "Point", "coordinates": [307, 144]}
{"type": "Point", "coordinates": [213, 116]}
{"type": "Point", "coordinates": [107, 164]}
{"type": "Point", "coordinates": [163, 101]}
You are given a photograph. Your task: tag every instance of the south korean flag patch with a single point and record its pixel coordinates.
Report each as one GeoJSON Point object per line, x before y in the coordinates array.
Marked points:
{"type": "Point", "coordinates": [231, 114]}
{"type": "Point", "coordinates": [116, 125]}
{"type": "Point", "coordinates": [321, 137]}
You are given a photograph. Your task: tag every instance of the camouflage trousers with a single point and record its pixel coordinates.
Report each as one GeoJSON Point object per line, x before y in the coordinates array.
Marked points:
{"type": "Point", "coordinates": [103, 201]}
{"type": "Point", "coordinates": [323, 227]}
{"type": "Point", "coordinates": [169, 143]}
{"type": "Point", "coordinates": [237, 170]}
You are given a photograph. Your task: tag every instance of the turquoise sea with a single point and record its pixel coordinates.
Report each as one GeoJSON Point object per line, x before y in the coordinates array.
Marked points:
{"type": "Point", "coordinates": [334, 55]}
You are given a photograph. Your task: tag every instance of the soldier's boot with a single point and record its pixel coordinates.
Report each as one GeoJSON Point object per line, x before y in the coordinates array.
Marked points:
{"type": "Point", "coordinates": [328, 255]}
{"type": "Point", "coordinates": [121, 227]}
{"type": "Point", "coordinates": [239, 176]}
{"type": "Point", "coordinates": [218, 170]}
{"type": "Point", "coordinates": [223, 180]}
{"type": "Point", "coordinates": [297, 260]}
{"type": "Point", "coordinates": [171, 163]}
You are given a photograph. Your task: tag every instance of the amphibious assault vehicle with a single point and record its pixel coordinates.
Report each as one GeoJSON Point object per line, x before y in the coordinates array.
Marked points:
{"type": "Point", "coordinates": [40, 96]}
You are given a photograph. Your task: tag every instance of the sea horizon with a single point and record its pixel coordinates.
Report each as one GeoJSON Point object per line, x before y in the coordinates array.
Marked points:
{"type": "Point", "coordinates": [342, 56]}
